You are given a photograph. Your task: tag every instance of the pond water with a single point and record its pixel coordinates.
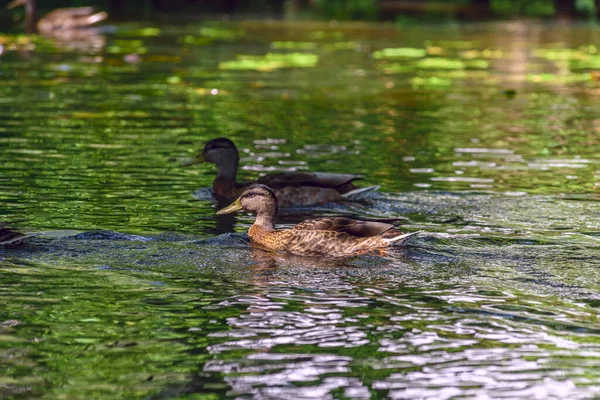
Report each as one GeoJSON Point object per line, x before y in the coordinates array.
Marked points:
{"type": "Point", "coordinates": [486, 136]}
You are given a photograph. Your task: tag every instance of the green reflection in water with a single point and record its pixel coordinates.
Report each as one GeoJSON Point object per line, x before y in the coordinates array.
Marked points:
{"type": "Point", "coordinates": [492, 149]}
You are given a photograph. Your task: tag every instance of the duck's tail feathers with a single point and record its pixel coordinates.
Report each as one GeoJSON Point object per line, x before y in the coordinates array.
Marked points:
{"type": "Point", "coordinates": [359, 194]}
{"type": "Point", "coordinates": [94, 18]}
{"type": "Point", "coordinates": [401, 239]}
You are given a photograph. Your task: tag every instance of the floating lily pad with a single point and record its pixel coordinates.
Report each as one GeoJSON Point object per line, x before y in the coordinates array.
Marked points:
{"type": "Point", "coordinates": [591, 49]}
{"type": "Point", "coordinates": [559, 54]}
{"type": "Point", "coordinates": [559, 79]}
{"type": "Point", "coordinates": [406, 52]}
{"type": "Point", "coordinates": [450, 63]}
{"type": "Point", "coordinates": [487, 53]}
{"type": "Point", "coordinates": [585, 57]}
{"type": "Point", "coordinates": [592, 62]}
{"type": "Point", "coordinates": [271, 61]}
{"type": "Point", "coordinates": [221, 33]}
{"type": "Point", "coordinates": [294, 45]}
{"type": "Point", "coordinates": [431, 82]}
{"type": "Point", "coordinates": [127, 47]}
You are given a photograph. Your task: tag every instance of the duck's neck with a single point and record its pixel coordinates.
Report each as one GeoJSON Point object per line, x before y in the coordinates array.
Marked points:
{"type": "Point", "coordinates": [30, 17]}
{"type": "Point", "coordinates": [265, 219]}
{"type": "Point", "coordinates": [227, 172]}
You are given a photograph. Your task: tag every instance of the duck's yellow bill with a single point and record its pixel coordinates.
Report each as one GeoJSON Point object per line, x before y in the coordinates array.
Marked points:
{"type": "Point", "coordinates": [233, 207]}
{"type": "Point", "coordinates": [199, 159]}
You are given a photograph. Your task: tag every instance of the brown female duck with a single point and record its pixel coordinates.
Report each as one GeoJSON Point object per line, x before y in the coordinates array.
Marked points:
{"type": "Point", "coordinates": [60, 22]}
{"type": "Point", "coordinates": [333, 236]}
{"type": "Point", "coordinates": [291, 188]}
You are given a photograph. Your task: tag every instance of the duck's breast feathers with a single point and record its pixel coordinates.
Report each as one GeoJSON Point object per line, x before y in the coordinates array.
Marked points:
{"type": "Point", "coordinates": [352, 227]}
{"type": "Point", "coordinates": [320, 179]}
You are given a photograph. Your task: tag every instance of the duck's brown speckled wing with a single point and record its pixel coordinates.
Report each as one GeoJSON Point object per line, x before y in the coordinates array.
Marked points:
{"type": "Point", "coordinates": [356, 228]}
{"type": "Point", "coordinates": [335, 237]}
{"type": "Point", "coordinates": [70, 18]}
{"type": "Point", "coordinates": [318, 179]}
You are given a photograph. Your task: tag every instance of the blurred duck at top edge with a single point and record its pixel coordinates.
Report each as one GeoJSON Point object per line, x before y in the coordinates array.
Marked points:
{"type": "Point", "coordinates": [65, 24]}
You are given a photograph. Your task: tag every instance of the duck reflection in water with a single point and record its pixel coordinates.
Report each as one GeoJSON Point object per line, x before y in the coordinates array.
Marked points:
{"type": "Point", "coordinates": [291, 188]}
{"type": "Point", "coordinates": [331, 237]}
{"type": "Point", "coordinates": [224, 222]}
{"type": "Point", "coordinates": [268, 265]}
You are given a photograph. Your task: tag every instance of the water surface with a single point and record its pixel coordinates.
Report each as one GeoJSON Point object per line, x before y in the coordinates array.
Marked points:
{"type": "Point", "coordinates": [485, 136]}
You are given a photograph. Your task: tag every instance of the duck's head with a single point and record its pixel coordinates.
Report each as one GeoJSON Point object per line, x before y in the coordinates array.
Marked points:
{"type": "Point", "coordinates": [220, 151]}
{"type": "Point", "coordinates": [257, 199]}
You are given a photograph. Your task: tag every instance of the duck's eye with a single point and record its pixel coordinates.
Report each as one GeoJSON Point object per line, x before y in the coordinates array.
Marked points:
{"type": "Point", "coordinates": [250, 195]}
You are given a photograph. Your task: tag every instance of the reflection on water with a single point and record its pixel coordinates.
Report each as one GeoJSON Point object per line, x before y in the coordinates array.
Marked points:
{"type": "Point", "coordinates": [483, 135]}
